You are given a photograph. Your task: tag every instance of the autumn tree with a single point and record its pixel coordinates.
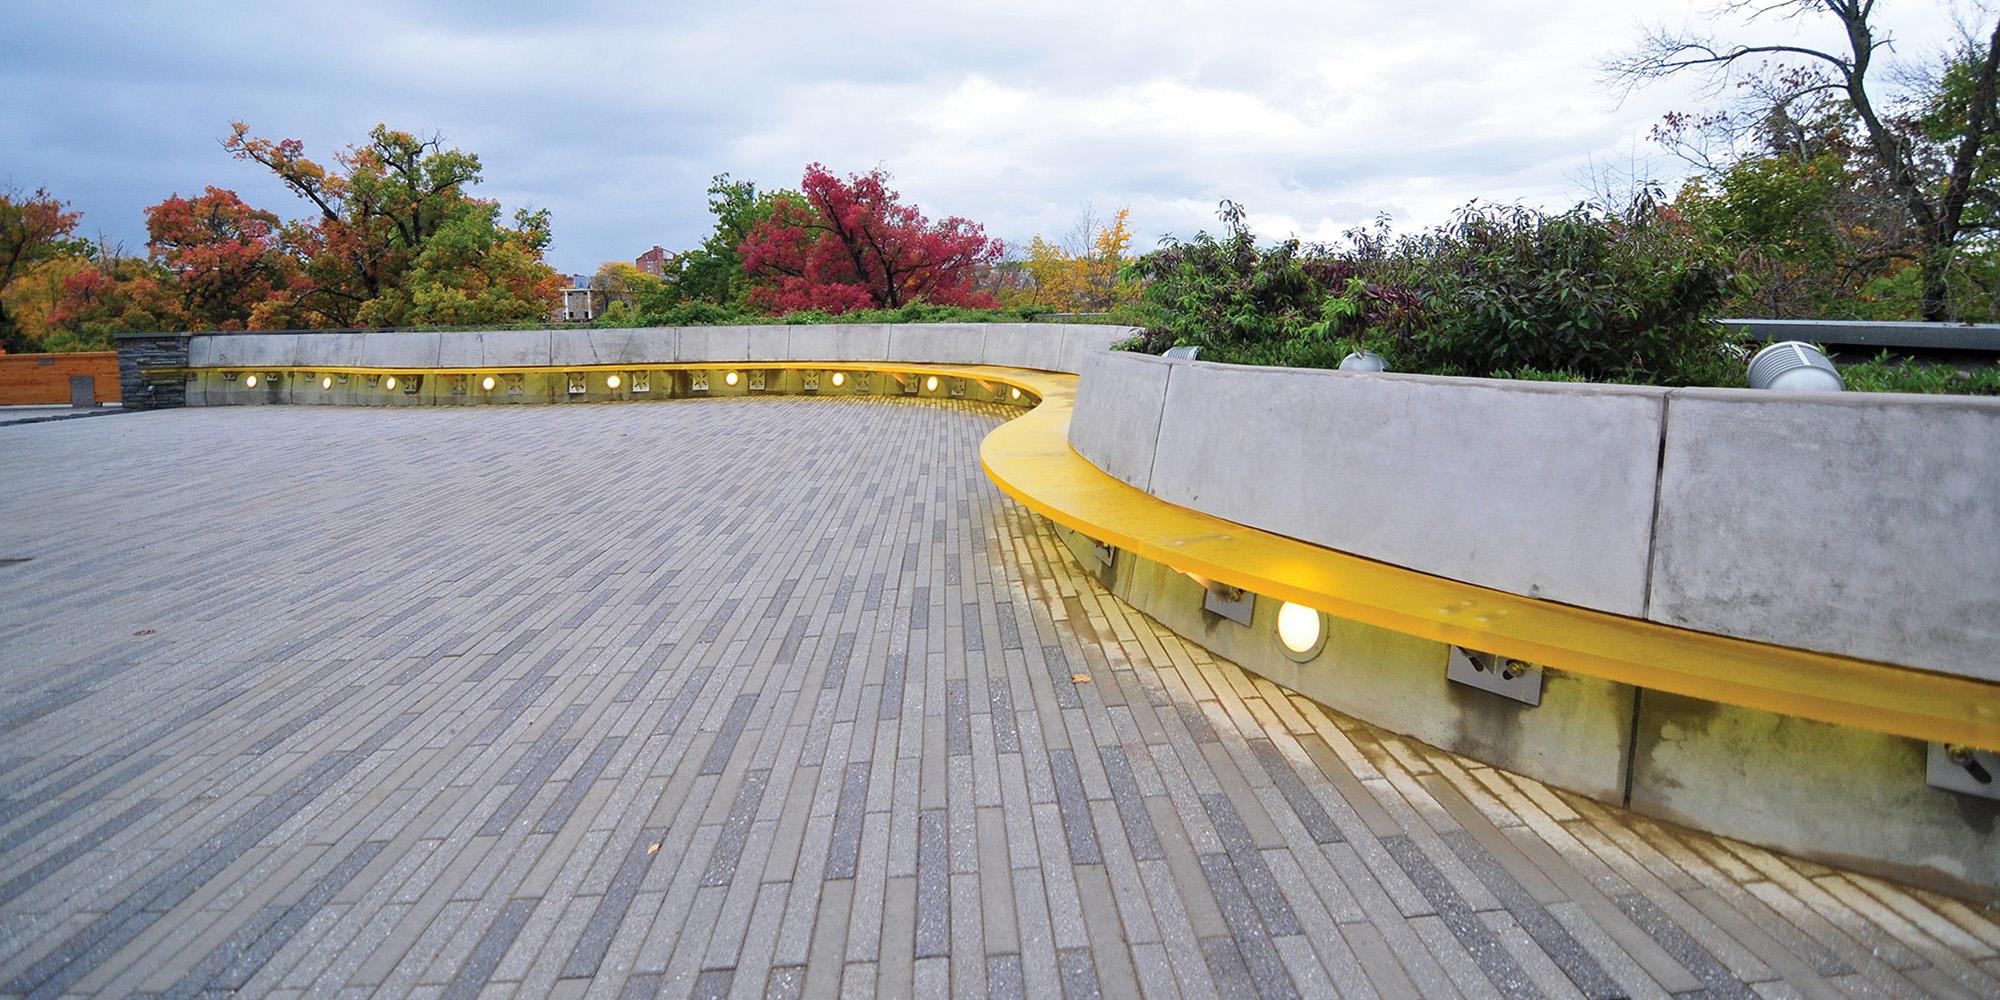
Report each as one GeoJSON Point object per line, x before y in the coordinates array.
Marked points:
{"type": "Point", "coordinates": [472, 271]}
{"type": "Point", "coordinates": [114, 294]}
{"type": "Point", "coordinates": [1084, 277]}
{"type": "Point", "coordinates": [1930, 151]}
{"type": "Point", "coordinates": [619, 286]}
{"type": "Point", "coordinates": [32, 298]}
{"type": "Point", "coordinates": [225, 256]}
{"type": "Point", "coordinates": [33, 228]}
{"type": "Point", "coordinates": [1794, 200]}
{"type": "Point", "coordinates": [713, 272]}
{"type": "Point", "coordinates": [368, 254]}
{"type": "Point", "coordinates": [851, 244]}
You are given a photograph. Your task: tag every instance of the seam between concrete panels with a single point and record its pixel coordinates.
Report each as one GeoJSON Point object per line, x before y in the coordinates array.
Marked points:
{"type": "Point", "coordinates": [1646, 589]}
{"type": "Point", "coordinates": [1632, 746]}
{"type": "Point", "coordinates": [1659, 487]}
{"type": "Point", "coordinates": [1159, 430]}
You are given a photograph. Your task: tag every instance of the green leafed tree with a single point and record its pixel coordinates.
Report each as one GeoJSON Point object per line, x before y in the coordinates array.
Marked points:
{"type": "Point", "coordinates": [713, 272]}
{"type": "Point", "coordinates": [1916, 142]}
{"type": "Point", "coordinates": [397, 238]}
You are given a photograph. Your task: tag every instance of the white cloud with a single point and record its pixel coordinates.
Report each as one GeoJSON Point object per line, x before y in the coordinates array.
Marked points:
{"type": "Point", "coordinates": [1316, 115]}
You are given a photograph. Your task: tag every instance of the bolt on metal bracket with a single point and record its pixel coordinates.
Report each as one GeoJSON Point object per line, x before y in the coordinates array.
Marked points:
{"type": "Point", "coordinates": [1104, 553]}
{"type": "Point", "coordinates": [1963, 770]}
{"type": "Point", "coordinates": [1229, 602]}
{"type": "Point", "coordinates": [1506, 677]}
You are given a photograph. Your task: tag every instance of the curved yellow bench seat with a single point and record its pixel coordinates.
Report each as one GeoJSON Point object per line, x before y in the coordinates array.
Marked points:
{"type": "Point", "coordinates": [1030, 459]}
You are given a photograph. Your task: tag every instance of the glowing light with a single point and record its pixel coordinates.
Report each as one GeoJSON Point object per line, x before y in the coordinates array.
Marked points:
{"type": "Point", "coordinates": [839, 379]}
{"type": "Point", "coordinates": [487, 383]}
{"type": "Point", "coordinates": [1299, 628]}
{"type": "Point", "coordinates": [389, 383]}
{"type": "Point", "coordinates": [611, 381]}
{"type": "Point", "coordinates": [729, 379]}
{"type": "Point", "coordinates": [250, 382]}
{"type": "Point", "coordinates": [326, 383]}
{"type": "Point", "coordinates": [1017, 394]}
{"type": "Point", "coordinates": [930, 384]}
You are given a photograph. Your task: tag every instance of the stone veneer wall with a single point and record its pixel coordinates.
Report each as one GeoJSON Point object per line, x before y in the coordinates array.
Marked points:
{"type": "Point", "coordinates": [138, 352]}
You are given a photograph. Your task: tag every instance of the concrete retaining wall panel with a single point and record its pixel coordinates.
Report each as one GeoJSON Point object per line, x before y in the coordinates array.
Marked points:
{"type": "Point", "coordinates": [1053, 347]}
{"type": "Point", "coordinates": [247, 350]}
{"type": "Point", "coordinates": [398, 350]}
{"type": "Point", "coordinates": [1080, 340]}
{"type": "Point", "coordinates": [815, 342]}
{"type": "Point", "coordinates": [1867, 525]}
{"type": "Point", "coordinates": [767, 343]}
{"type": "Point", "coordinates": [1539, 489]}
{"type": "Point", "coordinates": [587, 347]}
{"type": "Point", "coordinates": [332, 350]}
{"type": "Point", "coordinates": [940, 343]}
{"type": "Point", "coordinates": [512, 348]}
{"type": "Point", "coordinates": [1023, 346]}
{"type": "Point", "coordinates": [863, 343]}
{"type": "Point", "coordinates": [1116, 423]}
{"type": "Point", "coordinates": [614, 347]}
{"type": "Point", "coordinates": [714, 343]}
{"type": "Point", "coordinates": [203, 352]}
{"type": "Point", "coordinates": [459, 350]}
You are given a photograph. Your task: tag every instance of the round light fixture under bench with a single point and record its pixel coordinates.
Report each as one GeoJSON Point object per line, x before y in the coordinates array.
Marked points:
{"type": "Point", "coordinates": [1301, 631]}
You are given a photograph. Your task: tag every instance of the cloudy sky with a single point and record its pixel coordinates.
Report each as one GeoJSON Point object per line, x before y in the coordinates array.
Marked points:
{"type": "Point", "coordinates": [1316, 115]}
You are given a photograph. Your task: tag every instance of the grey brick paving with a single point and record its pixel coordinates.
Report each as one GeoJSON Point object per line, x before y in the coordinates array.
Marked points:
{"type": "Point", "coordinates": [760, 697]}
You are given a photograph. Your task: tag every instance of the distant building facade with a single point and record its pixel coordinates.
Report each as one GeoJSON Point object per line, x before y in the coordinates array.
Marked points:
{"type": "Point", "coordinates": [579, 300]}
{"type": "Point", "coordinates": [654, 261]}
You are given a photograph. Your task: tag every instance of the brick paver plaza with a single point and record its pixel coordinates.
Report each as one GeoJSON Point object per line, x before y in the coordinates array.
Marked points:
{"type": "Point", "coordinates": [755, 697]}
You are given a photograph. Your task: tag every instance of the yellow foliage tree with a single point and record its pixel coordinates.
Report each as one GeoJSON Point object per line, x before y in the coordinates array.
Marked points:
{"type": "Point", "coordinates": [1087, 280]}
{"type": "Point", "coordinates": [618, 281]}
{"type": "Point", "coordinates": [33, 296]}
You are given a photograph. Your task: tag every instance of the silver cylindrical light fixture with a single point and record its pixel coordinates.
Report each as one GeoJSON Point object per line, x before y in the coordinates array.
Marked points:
{"type": "Point", "coordinates": [1184, 353]}
{"type": "Point", "coordinates": [1793, 366]}
{"type": "Point", "coordinates": [1364, 361]}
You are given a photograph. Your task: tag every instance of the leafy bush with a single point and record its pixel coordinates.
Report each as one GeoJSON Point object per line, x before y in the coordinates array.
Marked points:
{"type": "Point", "coordinates": [1882, 374]}
{"type": "Point", "coordinates": [1498, 291]}
{"type": "Point", "coordinates": [1607, 298]}
{"type": "Point", "coordinates": [1288, 305]}
{"type": "Point", "coordinates": [696, 312]}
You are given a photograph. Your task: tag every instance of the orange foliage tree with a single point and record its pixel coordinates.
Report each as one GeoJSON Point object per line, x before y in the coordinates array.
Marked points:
{"type": "Point", "coordinates": [225, 256]}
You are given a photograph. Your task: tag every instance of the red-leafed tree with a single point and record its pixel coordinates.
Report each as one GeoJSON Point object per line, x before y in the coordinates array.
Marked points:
{"type": "Point", "coordinates": [225, 255]}
{"type": "Point", "coordinates": [114, 295]}
{"type": "Point", "coordinates": [841, 245]}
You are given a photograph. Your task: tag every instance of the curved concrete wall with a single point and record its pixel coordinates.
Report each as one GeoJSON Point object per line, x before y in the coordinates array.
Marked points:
{"type": "Point", "coordinates": [1046, 346]}
{"type": "Point", "coordinates": [1866, 526]}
